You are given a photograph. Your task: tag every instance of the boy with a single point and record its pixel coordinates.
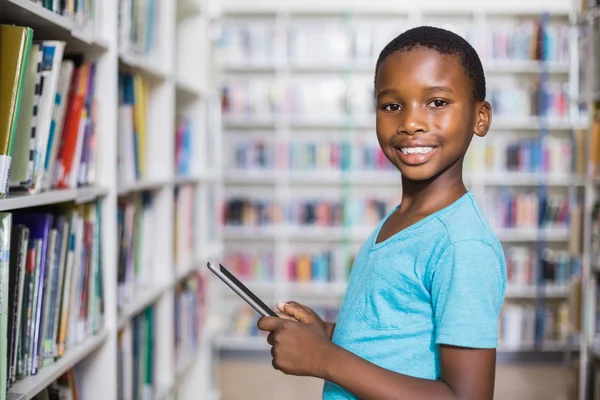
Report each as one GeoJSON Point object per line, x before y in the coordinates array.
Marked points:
{"type": "Point", "coordinates": [419, 318]}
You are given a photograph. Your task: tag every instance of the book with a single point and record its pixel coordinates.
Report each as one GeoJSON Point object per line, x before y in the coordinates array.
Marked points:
{"type": "Point", "coordinates": [18, 259]}
{"type": "Point", "coordinates": [5, 234]}
{"type": "Point", "coordinates": [23, 165]}
{"type": "Point", "coordinates": [15, 45]}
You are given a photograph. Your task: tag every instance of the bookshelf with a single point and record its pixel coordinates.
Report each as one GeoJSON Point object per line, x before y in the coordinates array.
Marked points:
{"type": "Point", "coordinates": [145, 181]}
{"type": "Point", "coordinates": [298, 125]}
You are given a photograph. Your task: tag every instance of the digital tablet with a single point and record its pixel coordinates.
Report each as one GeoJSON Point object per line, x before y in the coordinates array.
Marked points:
{"type": "Point", "coordinates": [241, 290]}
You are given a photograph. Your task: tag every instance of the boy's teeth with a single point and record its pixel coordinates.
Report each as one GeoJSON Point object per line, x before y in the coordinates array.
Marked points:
{"type": "Point", "coordinates": [416, 150]}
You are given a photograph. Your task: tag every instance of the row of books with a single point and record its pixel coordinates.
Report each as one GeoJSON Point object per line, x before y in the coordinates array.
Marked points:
{"type": "Point", "coordinates": [138, 26]}
{"type": "Point", "coordinates": [184, 238]}
{"type": "Point", "coordinates": [555, 268]}
{"type": "Point", "coordinates": [511, 209]}
{"type": "Point", "coordinates": [307, 155]}
{"type": "Point", "coordinates": [533, 99]}
{"type": "Point", "coordinates": [136, 357]}
{"type": "Point", "coordinates": [133, 129]}
{"type": "Point", "coordinates": [183, 147]}
{"type": "Point", "coordinates": [306, 212]}
{"type": "Point", "coordinates": [82, 12]}
{"type": "Point", "coordinates": [137, 224]}
{"type": "Point", "coordinates": [342, 43]}
{"type": "Point", "coordinates": [551, 154]}
{"type": "Point", "coordinates": [189, 315]}
{"type": "Point", "coordinates": [51, 289]}
{"type": "Point", "coordinates": [523, 326]}
{"type": "Point", "coordinates": [336, 97]}
{"type": "Point", "coordinates": [49, 113]}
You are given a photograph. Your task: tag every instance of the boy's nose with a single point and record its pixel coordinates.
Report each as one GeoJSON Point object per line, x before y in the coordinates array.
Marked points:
{"type": "Point", "coordinates": [412, 122]}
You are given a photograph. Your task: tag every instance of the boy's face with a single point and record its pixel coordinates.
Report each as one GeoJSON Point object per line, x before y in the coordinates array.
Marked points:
{"type": "Point", "coordinates": [426, 113]}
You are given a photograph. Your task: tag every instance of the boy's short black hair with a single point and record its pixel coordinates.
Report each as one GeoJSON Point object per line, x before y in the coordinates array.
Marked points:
{"type": "Point", "coordinates": [444, 42]}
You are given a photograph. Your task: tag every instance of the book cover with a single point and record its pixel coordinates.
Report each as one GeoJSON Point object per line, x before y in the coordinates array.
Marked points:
{"type": "Point", "coordinates": [18, 258]}
{"type": "Point", "coordinates": [15, 45]}
{"type": "Point", "coordinates": [39, 225]}
{"type": "Point", "coordinates": [5, 227]}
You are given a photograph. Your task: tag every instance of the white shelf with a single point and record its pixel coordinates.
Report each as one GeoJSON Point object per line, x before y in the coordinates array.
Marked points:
{"type": "Point", "coordinates": [32, 385]}
{"type": "Point", "coordinates": [142, 186]}
{"type": "Point", "coordinates": [490, 67]}
{"type": "Point", "coordinates": [28, 13]}
{"type": "Point", "coordinates": [143, 65]}
{"type": "Point", "coordinates": [187, 88]}
{"type": "Point", "coordinates": [532, 292]}
{"type": "Point", "coordinates": [385, 178]}
{"type": "Point", "coordinates": [532, 234]}
{"type": "Point", "coordinates": [545, 347]}
{"type": "Point", "coordinates": [241, 343]}
{"type": "Point", "coordinates": [17, 200]}
{"type": "Point", "coordinates": [143, 298]}
{"type": "Point", "coordinates": [188, 180]}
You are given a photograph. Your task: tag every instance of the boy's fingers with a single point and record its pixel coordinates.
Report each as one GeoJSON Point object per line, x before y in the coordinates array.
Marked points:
{"type": "Point", "coordinates": [299, 313]}
{"type": "Point", "coordinates": [269, 324]}
{"type": "Point", "coordinates": [284, 315]}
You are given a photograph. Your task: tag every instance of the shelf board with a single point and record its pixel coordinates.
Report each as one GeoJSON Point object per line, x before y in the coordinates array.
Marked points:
{"type": "Point", "coordinates": [187, 89]}
{"type": "Point", "coordinates": [532, 234]}
{"type": "Point", "coordinates": [532, 292]}
{"type": "Point", "coordinates": [141, 186]}
{"type": "Point", "coordinates": [143, 298]}
{"type": "Point", "coordinates": [17, 200]}
{"type": "Point", "coordinates": [545, 347]}
{"type": "Point", "coordinates": [49, 25]}
{"type": "Point", "coordinates": [241, 343]}
{"type": "Point", "coordinates": [142, 65]}
{"type": "Point", "coordinates": [375, 178]}
{"type": "Point", "coordinates": [490, 67]}
{"type": "Point", "coordinates": [27, 388]}
{"type": "Point", "coordinates": [187, 180]}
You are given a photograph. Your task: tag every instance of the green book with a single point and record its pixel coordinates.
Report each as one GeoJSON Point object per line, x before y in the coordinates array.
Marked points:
{"type": "Point", "coordinates": [5, 225]}
{"type": "Point", "coordinates": [15, 45]}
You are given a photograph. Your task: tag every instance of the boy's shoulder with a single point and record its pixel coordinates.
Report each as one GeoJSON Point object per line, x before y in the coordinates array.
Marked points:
{"type": "Point", "coordinates": [466, 222]}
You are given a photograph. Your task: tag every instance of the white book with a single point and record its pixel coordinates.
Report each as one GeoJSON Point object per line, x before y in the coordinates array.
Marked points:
{"type": "Point", "coordinates": [57, 124]}
{"type": "Point", "coordinates": [51, 62]}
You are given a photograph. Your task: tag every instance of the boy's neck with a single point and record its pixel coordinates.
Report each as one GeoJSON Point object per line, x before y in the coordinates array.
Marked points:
{"type": "Point", "coordinates": [434, 194]}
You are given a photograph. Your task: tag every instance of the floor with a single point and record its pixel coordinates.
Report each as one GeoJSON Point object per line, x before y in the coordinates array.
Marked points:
{"type": "Point", "coordinates": [254, 379]}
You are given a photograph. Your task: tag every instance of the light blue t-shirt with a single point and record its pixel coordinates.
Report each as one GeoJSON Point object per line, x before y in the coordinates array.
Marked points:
{"type": "Point", "coordinates": [439, 281]}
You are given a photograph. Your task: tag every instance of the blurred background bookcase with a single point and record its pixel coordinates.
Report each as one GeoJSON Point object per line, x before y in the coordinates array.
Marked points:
{"type": "Point", "coordinates": [138, 139]}
{"type": "Point", "coordinates": [304, 181]}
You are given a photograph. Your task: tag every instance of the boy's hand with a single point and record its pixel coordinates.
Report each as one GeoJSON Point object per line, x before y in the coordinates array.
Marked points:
{"type": "Point", "coordinates": [298, 348]}
{"type": "Point", "coordinates": [304, 314]}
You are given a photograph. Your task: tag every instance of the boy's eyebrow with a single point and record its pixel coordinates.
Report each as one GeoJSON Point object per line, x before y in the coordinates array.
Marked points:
{"type": "Point", "coordinates": [385, 92]}
{"type": "Point", "coordinates": [432, 89]}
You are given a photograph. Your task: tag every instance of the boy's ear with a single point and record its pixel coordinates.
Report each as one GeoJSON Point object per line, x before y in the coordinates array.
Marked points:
{"type": "Point", "coordinates": [484, 119]}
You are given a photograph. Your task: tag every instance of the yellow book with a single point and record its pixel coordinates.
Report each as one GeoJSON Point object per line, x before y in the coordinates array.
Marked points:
{"type": "Point", "coordinates": [15, 44]}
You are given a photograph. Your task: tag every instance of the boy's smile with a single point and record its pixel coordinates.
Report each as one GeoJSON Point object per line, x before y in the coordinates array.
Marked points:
{"type": "Point", "coordinates": [426, 113]}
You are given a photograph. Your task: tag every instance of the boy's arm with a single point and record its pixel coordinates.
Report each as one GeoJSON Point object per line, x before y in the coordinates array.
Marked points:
{"type": "Point", "coordinates": [466, 374]}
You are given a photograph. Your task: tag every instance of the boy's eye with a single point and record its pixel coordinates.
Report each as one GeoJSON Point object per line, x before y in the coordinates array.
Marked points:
{"type": "Point", "coordinates": [438, 103]}
{"type": "Point", "coordinates": [391, 107]}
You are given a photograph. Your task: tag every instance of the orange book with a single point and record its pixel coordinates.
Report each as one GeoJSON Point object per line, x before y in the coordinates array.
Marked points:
{"type": "Point", "coordinates": [71, 129]}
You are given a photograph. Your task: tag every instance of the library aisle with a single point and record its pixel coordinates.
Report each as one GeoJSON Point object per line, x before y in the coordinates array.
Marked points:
{"type": "Point", "coordinates": [141, 138]}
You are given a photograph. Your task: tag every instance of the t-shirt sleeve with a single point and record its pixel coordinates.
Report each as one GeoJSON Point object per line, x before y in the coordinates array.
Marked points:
{"type": "Point", "coordinates": [468, 286]}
